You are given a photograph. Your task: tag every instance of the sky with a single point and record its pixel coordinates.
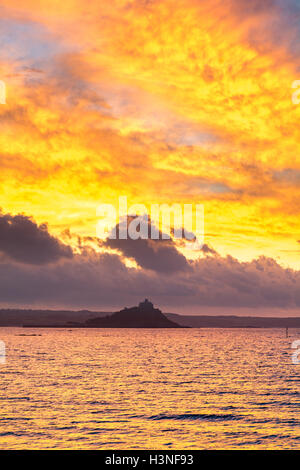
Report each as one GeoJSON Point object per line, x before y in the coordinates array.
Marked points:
{"type": "Point", "coordinates": [163, 101]}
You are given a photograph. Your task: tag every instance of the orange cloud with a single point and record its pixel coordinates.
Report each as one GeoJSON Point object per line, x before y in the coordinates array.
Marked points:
{"type": "Point", "coordinates": [163, 101]}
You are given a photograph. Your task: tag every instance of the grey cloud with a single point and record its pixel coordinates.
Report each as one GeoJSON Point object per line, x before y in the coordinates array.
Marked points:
{"type": "Point", "coordinates": [288, 175]}
{"type": "Point", "coordinates": [21, 239]}
{"type": "Point", "coordinates": [38, 270]}
{"type": "Point", "coordinates": [158, 255]}
{"type": "Point", "coordinates": [208, 250]}
{"type": "Point", "coordinates": [96, 281]}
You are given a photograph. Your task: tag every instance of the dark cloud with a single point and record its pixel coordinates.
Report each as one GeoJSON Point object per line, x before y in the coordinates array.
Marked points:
{"type": "Point", "coordinates": [21, 239]}
{"type": "Point", "coordinates": [99, 281]}
{"type": "Point", "coordinates": [288, 175]}
{"type": "Point", "coordinates": [40, 271]}
{"type": "Point", "coordinates": [256, 284]}
{"type": "Point", "coordinates": [208, 250]}
{"type": "Point", "coordinates": [253, 7]}
{"type": "Point", "coordinates": [159, 255]}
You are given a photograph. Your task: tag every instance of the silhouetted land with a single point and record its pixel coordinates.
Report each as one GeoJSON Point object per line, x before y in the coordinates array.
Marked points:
{"type": "Point", "coordinates": [16, 317]}
{"type": "Point", "coordinates": [69, 318]}
{"type": "Point", "coordinates": [232, 321]}
{"type": "Point", "coordinates": [142, 316]}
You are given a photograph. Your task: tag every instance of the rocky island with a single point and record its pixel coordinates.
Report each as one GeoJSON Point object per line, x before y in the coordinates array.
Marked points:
{"type": "Point", "coordinates": [142, 316]}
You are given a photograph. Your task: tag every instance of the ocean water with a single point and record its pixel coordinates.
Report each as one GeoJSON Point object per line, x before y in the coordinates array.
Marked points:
{"type": "Point", "coordinates": [149, 389]}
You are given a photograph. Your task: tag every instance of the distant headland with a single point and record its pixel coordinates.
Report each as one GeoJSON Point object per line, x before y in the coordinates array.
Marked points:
{"type": "Point", "coordinates": [142, 316]}
{"type": "Point", "coordinates": [12, 317]}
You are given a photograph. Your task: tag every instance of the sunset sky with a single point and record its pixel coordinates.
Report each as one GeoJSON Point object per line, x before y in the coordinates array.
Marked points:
{"type": "Point", "coordinates": [164, 101]}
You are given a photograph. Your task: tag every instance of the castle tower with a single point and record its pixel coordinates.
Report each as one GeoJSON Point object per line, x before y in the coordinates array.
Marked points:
{"type": "Point", "coordinates": [146, 305]}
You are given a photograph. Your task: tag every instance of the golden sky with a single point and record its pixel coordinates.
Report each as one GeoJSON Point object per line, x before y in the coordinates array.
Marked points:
{"type": "Point", "coordinates": [163, 101]}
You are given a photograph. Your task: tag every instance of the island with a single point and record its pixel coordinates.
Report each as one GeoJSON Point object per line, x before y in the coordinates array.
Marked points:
{"type": "Point", "coordinates": [142, 316]}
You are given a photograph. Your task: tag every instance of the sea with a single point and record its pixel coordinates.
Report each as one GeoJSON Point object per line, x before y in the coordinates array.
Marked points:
{"type": "Point", "coordinates": [149, 389]}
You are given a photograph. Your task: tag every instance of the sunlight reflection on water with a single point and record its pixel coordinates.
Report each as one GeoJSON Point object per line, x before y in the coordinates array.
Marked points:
{"type": "Point", "coordinates": [149, 389]}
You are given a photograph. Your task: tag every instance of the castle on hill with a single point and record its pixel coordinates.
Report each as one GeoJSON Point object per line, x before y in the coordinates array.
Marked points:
{"type": "Point", "coordinates": [142, 316]}
{"type": "Point", "coordinates": [146, 305]}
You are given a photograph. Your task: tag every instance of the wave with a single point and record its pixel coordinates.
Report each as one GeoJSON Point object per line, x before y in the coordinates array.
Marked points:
{"type": "Point", "coordinates": [194, 417]}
